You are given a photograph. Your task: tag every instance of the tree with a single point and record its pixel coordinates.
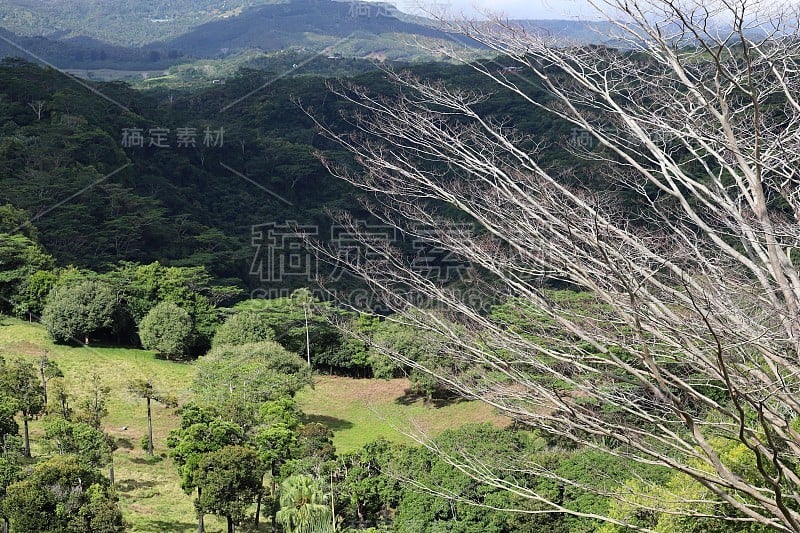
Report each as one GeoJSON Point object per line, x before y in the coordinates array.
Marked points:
{"type": "Point", "coordinates": [48, 369]}
{"type": "Point", "coordinates": [230, 479]}
{"type": "Point", "coordinates": [300, 322]}
{"type": "Point", "coordinates": [275, 440]}
{"type": "Point", "coordinates": [93, 408]}
{"type": "Point", "coordinates": [74, 312]}
{"type": "Point", "coordinates": [201, 432]}
{"type": "Point", "coordinates": [20, 257]}
{"type": "Point", "coordinates": [90, 445]}
{"type": "Point", "coordinates": [690, 253]}
{"type": "Point", "coordinates": [241, 377]}
{"type": "Point", "coordinates": [61, 494]}
{"type": "Point", "coordinates": [10, 472]}
{"type": "Point", "coordinates": [303, 508]}
{"type": "Point", "coordinates": [145, 388]}
{"type": "Point", "coordinates": [19, 384]}
{"type": "Point", "coordinates": [167, 329]}
{"type": "Point", "coordinates": [243, 327]}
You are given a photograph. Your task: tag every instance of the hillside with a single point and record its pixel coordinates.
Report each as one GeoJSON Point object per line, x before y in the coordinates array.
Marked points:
{"type": "Point", "coordinates": [358, 411]}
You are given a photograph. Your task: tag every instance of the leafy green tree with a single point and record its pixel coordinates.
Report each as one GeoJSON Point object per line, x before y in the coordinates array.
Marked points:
{"type": "Point", "coordinates": [31, 296]}
{"type": "Point", "coordinates": [146, 389]}
{"type": "Point", "coordinates": [230, 479]}
{"type": "Point", "coordinates": [20, 385]}
{"type": "Point", "coordinates": [10, 472]}
{"type": "Point", "coordinates": [75, 312]}
{"type": "Point", "coordinates": [243, 327]}
{"type": "Point", "coordinates": [303, 507]}
{"type": "Point", "coordinates": [48, 369]}
{"type": "Point", "coordinates": [168, 330]}
{"type": "Point", "coordinates": [91, 446]}
{"type": "Point", "coordinates": [239, 378]}
{"type": "Point", "coordinates": [93, 408]}
{"type": "Point", "coordinates": [20, 257]}
{"type": "Point", "coordinates": [299, 322]}
{"type": "Point", "coordinates": [364, 491]}
{"type": "Point", "coordinates": [275, 439]}
{"type": "Point", "coordinates": [60, 495]}
{"type": "Point", "coordinates": [201, 432]}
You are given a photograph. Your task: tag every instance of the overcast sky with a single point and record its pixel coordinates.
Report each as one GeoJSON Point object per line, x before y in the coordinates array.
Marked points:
{"type": "Point", "coordinates": [517, 9]}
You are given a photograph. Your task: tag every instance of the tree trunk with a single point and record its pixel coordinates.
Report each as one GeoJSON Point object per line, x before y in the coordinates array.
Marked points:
{"type": "Point", "coordinates": [111, 470]}
{"type": "Point", "coordinates": [27, 437]}
{"type": "Point", "coordinates": [231, 528]}
{"type": "Point", "coordinates": [258, 501]}
{"type": "Point", "coordinates": [44, 382]}
{"type": "Point", "coordinates": [149, 429]}
{"type": "Point", "coordinates": [201, 521]}
{"type": "Point", "coordinates": [5, 525]}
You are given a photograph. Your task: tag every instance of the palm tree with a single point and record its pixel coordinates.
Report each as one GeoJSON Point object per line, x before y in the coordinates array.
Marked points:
{"type": "Point", "coordinates": [303, 508]}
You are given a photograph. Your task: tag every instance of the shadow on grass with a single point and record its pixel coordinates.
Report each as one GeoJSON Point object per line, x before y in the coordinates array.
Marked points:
{"type": "Point", "coordinates": [124, 443]}
{"type": "Point", "coordinates": [128, 485]}
{"type": "Point", "coordinates": [163, 525]}
{"type": "Point", "coordinates": [438, 400]}
{"type": "Point", "coordinates": [335, 424]}
{"type": "Point", "coordinates": [146, 460]}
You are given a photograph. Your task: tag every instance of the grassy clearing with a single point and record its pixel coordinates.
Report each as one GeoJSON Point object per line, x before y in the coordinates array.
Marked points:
{"type": "Point", "coordinates": [358, 411]}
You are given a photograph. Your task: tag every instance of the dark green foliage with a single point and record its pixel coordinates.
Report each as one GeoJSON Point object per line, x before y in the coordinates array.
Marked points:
{"type": "Point", "coordinates": [243, 327]}
{"type": "Point", "coordinates": [298, 317]}
{"type": "Point", "coordinates": [21, 391]}
{"type": "Point", "coordinates": [60, 495]}
{"type": "Point", "coordinates": [365, 494]}
{"type": "Point", "coordinates": [168, 330]}
{"type": "Point", "coordinates": [230, 479]}
{"type": "Point", "coordinates": [75, 312]}
{"type": "Point", "coordinates": [202, 431]}
{"type": "Point", "coordinates": [20, 258]}
{"type": "Point", "coordinates": [91, 446]}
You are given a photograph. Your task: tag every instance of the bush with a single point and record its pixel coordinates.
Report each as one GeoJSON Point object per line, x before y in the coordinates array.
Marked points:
{"type": "Point", "coordinates": [167, 329]}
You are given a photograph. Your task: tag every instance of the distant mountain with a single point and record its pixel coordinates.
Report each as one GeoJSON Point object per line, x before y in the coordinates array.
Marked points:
{"type": "Point", "coordinates": [358, 29]}
{"type": "Point", "coordinates": [144, 35]}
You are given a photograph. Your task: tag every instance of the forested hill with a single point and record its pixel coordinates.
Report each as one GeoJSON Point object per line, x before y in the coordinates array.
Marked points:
{"type": "Point", "coordinates": [97, 34]}
{"type": "Point", "coordinates": [179, 198]}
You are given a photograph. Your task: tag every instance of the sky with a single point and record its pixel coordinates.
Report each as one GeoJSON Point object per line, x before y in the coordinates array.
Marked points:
{"type": "Point", "coordinates": [514, 9]}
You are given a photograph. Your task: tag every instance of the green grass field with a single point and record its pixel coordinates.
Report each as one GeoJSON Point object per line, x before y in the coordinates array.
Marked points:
{"type": "Point", "coordinates": [357, 410]}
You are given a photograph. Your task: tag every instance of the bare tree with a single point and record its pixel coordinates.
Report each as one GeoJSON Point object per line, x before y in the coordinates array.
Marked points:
{"type": "Point", "coordinates": [691, 344]}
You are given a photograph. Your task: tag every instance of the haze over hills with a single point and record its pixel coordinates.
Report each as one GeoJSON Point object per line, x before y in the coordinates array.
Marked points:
{"type": "Point", "coordinates": [95, 34]}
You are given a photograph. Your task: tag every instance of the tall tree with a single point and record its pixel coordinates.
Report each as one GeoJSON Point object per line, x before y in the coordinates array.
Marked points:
{"type": "Point", "coordinates": [146, 389]}
{"type": "Point", "coordinates": [202, 431]}
{"type": "Point", "coordinates": [230, 479]}
{"type": "Point", "coordinates": [20, 384]}
{"type": "Point", "coordinates": [691, 257]}
{"type": "Point", "coordinates": [48, 369]}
